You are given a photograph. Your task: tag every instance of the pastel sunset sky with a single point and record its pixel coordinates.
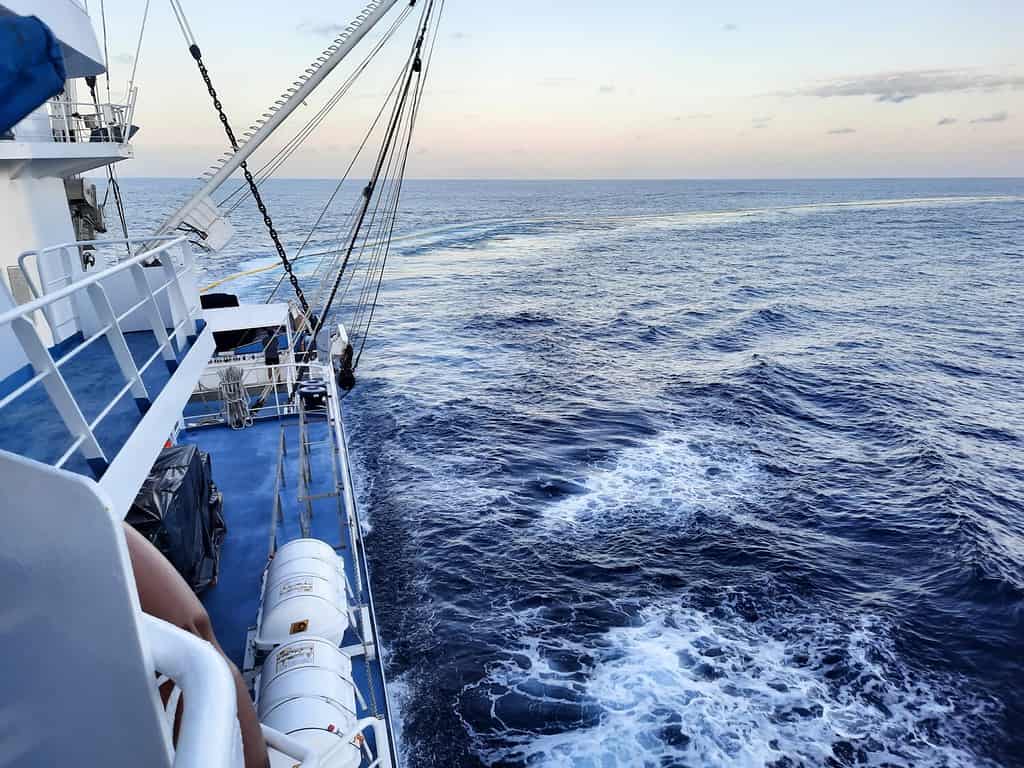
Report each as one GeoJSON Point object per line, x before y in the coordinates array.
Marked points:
{"type": "Point", "coordinates": [573, 89]}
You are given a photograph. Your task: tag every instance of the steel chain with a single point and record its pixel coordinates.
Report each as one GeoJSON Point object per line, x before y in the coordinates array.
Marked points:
{"type": "Point", "coordinates": [285, 261]}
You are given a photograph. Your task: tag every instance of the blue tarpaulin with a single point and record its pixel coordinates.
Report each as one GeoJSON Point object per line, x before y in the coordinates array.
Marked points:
{"type": "Point", "coordinates": [31, 67]}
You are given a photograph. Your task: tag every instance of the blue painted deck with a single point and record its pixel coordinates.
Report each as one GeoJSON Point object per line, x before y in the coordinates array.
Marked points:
{"type": "Point", "coordinates": [31, 427]}
{"type": "Point", "coordinates": [244, 468]}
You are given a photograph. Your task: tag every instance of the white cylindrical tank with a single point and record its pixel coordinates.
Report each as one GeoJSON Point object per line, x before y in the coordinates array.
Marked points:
{"type": "Point", "coordinates": [306, 691]}
{"type": "Point", "coordinates": [304, 595]}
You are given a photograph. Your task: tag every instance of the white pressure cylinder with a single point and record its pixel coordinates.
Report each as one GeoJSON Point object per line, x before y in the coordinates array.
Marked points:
{"type": "Point", "coordinates": [307, 692]}
{"type": "Point", "coordinates": [304, 594]}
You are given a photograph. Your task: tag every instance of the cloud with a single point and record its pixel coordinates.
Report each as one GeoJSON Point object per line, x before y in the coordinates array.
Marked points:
{"type": "Point", "coordinates": [729, 27]}
{"type": "Point", "coordinates": [761, 122]}
{"type": "Point", "coordinates": [698, 116]}
{"type": "Point", "coordinates": [946, 121]}
{"type": "Point", "coordinates": [896, 87]}
{"type": "Point", "coordinates": [841, 131]}
{"type": "Point", "coordinates": [995, 117]}
{"type": "Point", "coordinates": [460, 36]}
{"type": "Point", "coordinates": [123, 58]}
{"type": "Point", "coordinates": [606, 89]}
{"type": "Point", "coordinates": [320, 30]}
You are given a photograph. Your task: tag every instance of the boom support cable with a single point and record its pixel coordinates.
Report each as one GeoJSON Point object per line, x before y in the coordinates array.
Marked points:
{"type": "Point", "coordinates": [386, 242]}
{"type": "Point", "coordinates": [385, 157]}
{"type": "Point", "coordinates": [282, 155]}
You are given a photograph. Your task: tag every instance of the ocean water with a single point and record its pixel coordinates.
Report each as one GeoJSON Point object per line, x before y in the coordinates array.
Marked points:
{"type": "Point", "coordinates": [690, 473]}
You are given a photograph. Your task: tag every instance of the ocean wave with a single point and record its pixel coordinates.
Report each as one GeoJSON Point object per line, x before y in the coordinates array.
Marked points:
{"type": "Point", "coordinates": [497, 321]}
{"type": "Point", "coordinates": [663, 481]}
{"type": "Point", "coordinates": [687, 687]}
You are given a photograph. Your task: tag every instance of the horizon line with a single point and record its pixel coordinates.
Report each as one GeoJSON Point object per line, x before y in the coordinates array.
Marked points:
{"type": "Point", "coordinates": [626, 178]}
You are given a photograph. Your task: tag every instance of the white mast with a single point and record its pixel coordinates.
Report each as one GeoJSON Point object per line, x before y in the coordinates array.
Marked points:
{"type": "Point", "coordinates": [199, 203]}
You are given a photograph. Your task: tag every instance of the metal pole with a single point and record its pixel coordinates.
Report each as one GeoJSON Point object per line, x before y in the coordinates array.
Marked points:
{"type": "Point", "coordinates": [375, 11]}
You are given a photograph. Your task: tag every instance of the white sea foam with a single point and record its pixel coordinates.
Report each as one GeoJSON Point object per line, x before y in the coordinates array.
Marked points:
{"type": "Point", "coordinates": [668, 479]}
{"type": "Point", "coordinates": [399, 696]}
{"type": "Point", "coordinates": [687, 688]}
{"type": "Point", "coordinates": [696, 219]}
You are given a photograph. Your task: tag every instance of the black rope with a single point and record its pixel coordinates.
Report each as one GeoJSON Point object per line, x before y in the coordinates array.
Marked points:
{"type": "Point", "coordinates": [253, 187]}
{"type": "Point", "coordinates": [382, 158]}
{"type": "Point", "coordinates": [337, 189]}
{"type": "Point", "coordinates": [391, 215]}
{"type": "Point", "coordinates": [119, 203]}
{"type": "Point", "coordinates": [271, 166]}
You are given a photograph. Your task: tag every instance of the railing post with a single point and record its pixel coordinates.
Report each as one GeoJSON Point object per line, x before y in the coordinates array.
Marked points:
{"type": "Point", "coordinates": [59, 394]}
{"type": "Point", "coordinates": [188, 265]}
{"type": "Point", "coordinates": [183, 334]}
{"type": "Point", "coordinates": [50, 310]}
{"type": "Point", "coordinates": [156, 322]}
{"type": "Point", "coordinates": [119, 345]}
{"type": "Point", "coordinates": [76, 299]}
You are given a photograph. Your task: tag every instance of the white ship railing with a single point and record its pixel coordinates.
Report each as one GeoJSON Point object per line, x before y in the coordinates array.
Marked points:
{"type": "Point", "coordinates": [88, 122]}
{"type": "Point", "coordinates": [110, 251]}
{"type": "Point", "coordinates": [209, 734]}
{"type": "Point", "coordinates": [89, 293]}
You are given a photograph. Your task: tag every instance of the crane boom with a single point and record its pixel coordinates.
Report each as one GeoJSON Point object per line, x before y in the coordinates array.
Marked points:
{"type": "Point", "coordinates": [200, 205]}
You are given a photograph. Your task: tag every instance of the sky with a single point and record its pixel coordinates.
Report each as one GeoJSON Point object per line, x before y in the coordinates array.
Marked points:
{"type": "Point", "coordinates": [540, 89]}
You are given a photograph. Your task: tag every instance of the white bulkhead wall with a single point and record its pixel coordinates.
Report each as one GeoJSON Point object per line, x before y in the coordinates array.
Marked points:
{"type": "Point", "coordinates": [72, 27]}
{"type": "Point", "coordinates": [36, 215]}
{"type": "Point", "coordinates": [12, 358]}
{"type": "Point", "coordinates": [33, 207]}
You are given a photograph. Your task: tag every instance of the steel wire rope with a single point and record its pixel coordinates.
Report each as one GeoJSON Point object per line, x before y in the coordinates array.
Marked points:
{"type": "Point", "coordinates": [386, 148]}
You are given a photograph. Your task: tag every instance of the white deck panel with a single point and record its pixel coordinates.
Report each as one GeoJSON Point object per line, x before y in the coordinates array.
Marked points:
{"type": "Point", "coordinates": [247, 316]}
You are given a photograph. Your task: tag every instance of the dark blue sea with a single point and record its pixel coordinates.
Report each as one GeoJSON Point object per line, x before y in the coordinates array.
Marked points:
{"type": "Point", "coordinates": [724, 473]}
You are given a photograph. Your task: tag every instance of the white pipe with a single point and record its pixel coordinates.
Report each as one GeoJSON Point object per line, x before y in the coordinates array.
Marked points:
{"type": "Point", "coordinates": [359, 31]}
{"type": "Point", "coordinates": [209, 732]}
{"type": "Point", "coordinates": [288, 746]}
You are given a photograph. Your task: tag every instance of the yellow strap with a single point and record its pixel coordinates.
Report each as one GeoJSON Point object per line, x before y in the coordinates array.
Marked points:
{"type": "Point", "coordinates": [237, 275]}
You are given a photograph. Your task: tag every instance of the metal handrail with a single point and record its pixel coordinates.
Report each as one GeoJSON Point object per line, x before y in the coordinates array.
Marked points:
{"type": "Point", "coordinates": [89, 279]}
{"type": "Point", "coordinates": [184, 314]}
{"type": "Point", "coordinates": [88, 122]}
{"type": "Point", "coordinates": [128, 241]}
{"type": "Point", "coordinates": [209, 734]}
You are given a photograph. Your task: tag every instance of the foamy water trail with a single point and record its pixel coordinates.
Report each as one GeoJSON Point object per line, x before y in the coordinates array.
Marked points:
{"type": "Point", "coordinates": [446, 236]}
{"type": "Point", "coordinates": [687, 687]}
{"type": "Point", "coordinates": [666, 479]}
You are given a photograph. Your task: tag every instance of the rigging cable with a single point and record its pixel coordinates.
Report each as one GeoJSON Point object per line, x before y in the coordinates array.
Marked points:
{"type": "Point", "coordinates": [138, 47]}
{"type": "Point", "coordinates": [112, 184]}
{"type": "Point", "coordinates": [337, 190]}
{"type": "Point", "coordinates": [106, 53]}
{"type": "Point", "coordinates": [196, 53]}
{"type": "Point", "coordinates": [384, 243]}
{"type": "Point", "coordinates": [346, 222]}
{"type": "Point", "coordinates": [283, 154]}
{"type": "Point", "coordinates": [399, 125]}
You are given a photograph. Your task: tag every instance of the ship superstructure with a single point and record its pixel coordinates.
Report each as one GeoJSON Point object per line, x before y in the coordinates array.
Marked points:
{"type": "Point", "coordinates": [111, 359]}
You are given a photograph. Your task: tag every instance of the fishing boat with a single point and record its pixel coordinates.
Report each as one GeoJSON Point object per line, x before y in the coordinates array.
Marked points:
{"type": "Point", "coordinates": [215, 427]}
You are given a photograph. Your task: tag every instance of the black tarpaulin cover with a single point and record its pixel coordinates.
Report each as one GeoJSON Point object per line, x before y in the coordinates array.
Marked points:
{"type": "Point", "coordinates": [180, 510]}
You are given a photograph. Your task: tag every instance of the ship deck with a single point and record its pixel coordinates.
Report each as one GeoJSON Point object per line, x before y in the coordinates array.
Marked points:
{"type": "Point", "coordinates": [245, 467]}
{"type": "Point", "coordinates": [93, 376]}
{"type": "Point", "coordinates": [245, 470]}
